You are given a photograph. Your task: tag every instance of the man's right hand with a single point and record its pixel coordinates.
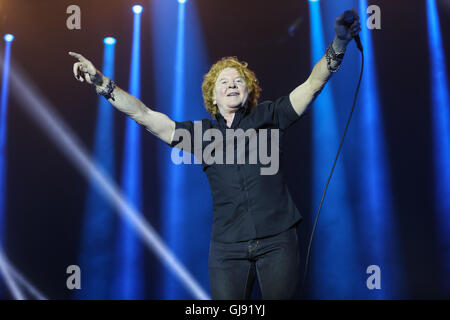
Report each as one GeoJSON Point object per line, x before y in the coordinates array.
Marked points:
{"type": "Point", "coordinates": [85, 70]}
{"type": "Point", "coordinates": [157, 123]}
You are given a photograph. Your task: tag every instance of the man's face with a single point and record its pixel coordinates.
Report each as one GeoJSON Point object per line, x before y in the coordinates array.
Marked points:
{"type": "Point", "coordinates": [230, 91]}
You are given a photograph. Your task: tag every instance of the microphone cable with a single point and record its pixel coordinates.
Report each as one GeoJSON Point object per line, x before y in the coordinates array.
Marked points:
{"type": "Point", "coordinates": [332, 170]}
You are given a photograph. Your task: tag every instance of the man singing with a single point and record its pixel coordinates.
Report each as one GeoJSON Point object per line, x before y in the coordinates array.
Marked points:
{"type": "Point", "coordinates": [254, 226]}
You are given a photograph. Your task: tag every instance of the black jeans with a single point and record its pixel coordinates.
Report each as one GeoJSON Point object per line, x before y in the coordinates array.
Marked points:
{"type": "Point", "coordinates": [274, 260]}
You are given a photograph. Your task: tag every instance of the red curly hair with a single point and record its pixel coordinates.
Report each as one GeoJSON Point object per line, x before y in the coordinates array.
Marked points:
{"type": "Point", "coordinates": [209, 82]}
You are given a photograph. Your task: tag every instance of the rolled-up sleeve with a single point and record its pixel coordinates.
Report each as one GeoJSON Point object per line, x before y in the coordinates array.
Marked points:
{"type": "Point", "coordinates": [278, 113]}
{"type": "Point", "coordinates": [285, 112]}
{"type": "Point", "coordinates": [183, 130]}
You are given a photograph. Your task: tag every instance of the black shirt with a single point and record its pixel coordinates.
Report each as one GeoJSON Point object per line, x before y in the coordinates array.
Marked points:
{"type": "Point", "coordinates": [247, 205]}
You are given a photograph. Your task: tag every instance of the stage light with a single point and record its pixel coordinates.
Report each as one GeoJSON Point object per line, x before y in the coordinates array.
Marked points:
{"type": "Point", "coordinates": [11, 283]}
{"type": "Point", "coordinates": [175, 176]}
{"type": "Point", "coordinates": [109, 40]}
{"type": "Point", "coordinates": [130, 273]}
{"type": "Point", "coordinates": [186, 57]}
{"type": "Point", "coordinates": [373, 173]}
{"type": "Point", "coordinates": [98, 218]}
{"type": "Point", "coordinates": [39, 109]}
{"type": "Point", "coordinates": [335, 222]}
{"type": "Point", "coordinates": [4, 97]}
{"type": "Point", "coordinates": [137, 9]}
{"type": "Point", "coordinates": [14, 278]}
{"type": "Point", "coordinates": [4, 93]}
{"type": "Point", "coordinates": [440, 114]}
{"type": "Point", "coordinates": [182, 1]}
{"type": "Point", "coordinates": [8, 37]}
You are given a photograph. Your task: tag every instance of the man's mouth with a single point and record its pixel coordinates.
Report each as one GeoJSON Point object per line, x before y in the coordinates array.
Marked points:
{"type": "Point", "coordinates": [231, 94]}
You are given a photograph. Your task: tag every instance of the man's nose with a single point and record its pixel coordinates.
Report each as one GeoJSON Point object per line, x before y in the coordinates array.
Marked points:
{"type": "Point", "coordinates": [232, 85]}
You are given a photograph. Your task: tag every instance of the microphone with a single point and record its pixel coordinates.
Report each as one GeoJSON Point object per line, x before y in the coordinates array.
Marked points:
{"type": "Point", "coordinates": [349, 18]}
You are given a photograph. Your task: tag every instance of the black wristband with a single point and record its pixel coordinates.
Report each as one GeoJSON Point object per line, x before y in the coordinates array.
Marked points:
{"type": "Point", "coordinates": [330, 54]}
{"type": "Point", "coordinates": [97, 79]}
{"type": "Point", "coordinates": [107, 92]}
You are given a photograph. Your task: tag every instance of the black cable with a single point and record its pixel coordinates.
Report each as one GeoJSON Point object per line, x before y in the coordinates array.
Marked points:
{"type": "Point", "coordinates": [332, 170]}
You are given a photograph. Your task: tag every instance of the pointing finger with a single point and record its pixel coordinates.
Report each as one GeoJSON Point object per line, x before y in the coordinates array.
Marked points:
{"type": "Point", "coordinates": [78, 56]}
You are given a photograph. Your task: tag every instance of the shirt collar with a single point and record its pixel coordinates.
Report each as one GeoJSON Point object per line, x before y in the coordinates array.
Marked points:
{"type": "Point", "coordinates": [241, 112]}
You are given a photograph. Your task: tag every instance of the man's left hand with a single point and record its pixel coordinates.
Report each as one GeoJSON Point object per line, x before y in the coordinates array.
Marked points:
{"type": "Point", "coordinates": [345, 33]}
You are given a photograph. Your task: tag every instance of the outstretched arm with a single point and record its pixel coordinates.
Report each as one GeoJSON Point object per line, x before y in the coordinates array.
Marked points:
{"type": "Point", "coordinates": [302, 96]}
{"type": "Point", "coordinates": [156, 122]}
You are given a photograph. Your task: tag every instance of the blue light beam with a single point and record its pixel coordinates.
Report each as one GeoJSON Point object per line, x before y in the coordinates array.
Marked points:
{"type": "Point", "coordinates": [42, 112]}
{"type": "Point", "coordinates": [176, 173]}
{"type": "Point", "coordinates": [11, 283]}
{"type": "Point", "coordinates": [374, 204]}
{"type": "Point", "coordinates": [333, 249]}
{"type": "Point", "coordinates": [3, 131]}
{"type": "Point", "coordinates": [441, 133]}
{"type": "Point", "coordinates": [4, 96]}
{"type": "Point", "coordinates": [14, 278]}
{"type": "Point", "coordinates": [177, 38]}
{"type": "Point", "coordinates": [130, 274]}
{"type": "Point", "coordinates": [96, 260]}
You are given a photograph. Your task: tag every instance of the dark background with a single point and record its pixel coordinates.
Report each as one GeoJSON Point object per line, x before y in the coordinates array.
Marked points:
{"type": "Point", "coordinates": [45, 194]}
